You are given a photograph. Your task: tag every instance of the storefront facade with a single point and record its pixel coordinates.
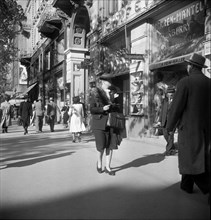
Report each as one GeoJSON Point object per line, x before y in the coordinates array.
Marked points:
{"type": "Point", "coordinates": [174, 36]}
{"type": "Point", "coordinates": [143, 44]}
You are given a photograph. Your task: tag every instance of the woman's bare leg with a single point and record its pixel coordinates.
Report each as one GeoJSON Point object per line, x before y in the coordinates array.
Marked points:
{"type": "Point", "coordinates": [108, 159]}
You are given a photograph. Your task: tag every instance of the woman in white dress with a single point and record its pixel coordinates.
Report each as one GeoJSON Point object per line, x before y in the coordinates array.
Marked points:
{"type": "Point", "coordinates": [76, 114]}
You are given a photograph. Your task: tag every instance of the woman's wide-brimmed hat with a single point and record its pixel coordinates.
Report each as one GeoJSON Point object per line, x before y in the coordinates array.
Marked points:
{"type": "Point", "coordinates": [106, 76]}
{"type": "Point", "coordinates": [197, 60]}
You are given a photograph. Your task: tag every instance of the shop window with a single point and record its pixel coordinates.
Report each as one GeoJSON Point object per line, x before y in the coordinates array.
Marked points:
{"type": "Point", "coordinates": [123, 85]}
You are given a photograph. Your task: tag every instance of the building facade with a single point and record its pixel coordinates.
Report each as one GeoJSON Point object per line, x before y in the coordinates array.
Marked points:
{"type": "Point", "coordinates": [141, 43]}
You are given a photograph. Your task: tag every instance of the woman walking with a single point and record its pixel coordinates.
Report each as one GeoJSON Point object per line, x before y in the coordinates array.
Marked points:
{"type": "Point", "coordinates": [103, 100]}
{"type": "Point", "coordinates": [76, 114]}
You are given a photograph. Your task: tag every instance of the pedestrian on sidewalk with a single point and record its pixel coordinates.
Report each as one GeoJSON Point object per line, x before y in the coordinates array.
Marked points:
{"type": "Point", "coordinates": [102, 102]}
{"type": "Point", "coordinates": [52, 113]}
{"type": "Point", "coordinates": [39, 114]}
{"type": "Point", "coordinates": [165, 106]}
{"type": "Point", "coordinates": [190, 109]}
{"type": "Point", "coordinates": [76, 113]}
{"type": "Point", "coordinates": [25, 113]}
{"type": "Point", "coordinates": [32, 121]}
{"type": "Point", "coordinates": [65, 116]}
{"type": "Point", "coordinates": [6, 114]}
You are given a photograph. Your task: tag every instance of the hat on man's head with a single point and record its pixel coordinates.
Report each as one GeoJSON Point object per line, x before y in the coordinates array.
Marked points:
{"type": "Point", "coordinates": [197, 60]}
{"type": "Point", "coordinates": [106, 76]}
{"type": "Point", "coordinates": [51, 99]}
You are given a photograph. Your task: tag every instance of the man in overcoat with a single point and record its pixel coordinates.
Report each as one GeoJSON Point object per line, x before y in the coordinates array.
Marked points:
{"type": "Point", "coordinates": [26, 113]}
{"type": "Point", "coordinates": [190, 112]}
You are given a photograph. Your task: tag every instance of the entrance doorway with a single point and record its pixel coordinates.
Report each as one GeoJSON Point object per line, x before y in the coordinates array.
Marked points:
{"type": "Point", "coordinates": [164, 77]}
{"type": "Point", "coordinates": [170, 75]}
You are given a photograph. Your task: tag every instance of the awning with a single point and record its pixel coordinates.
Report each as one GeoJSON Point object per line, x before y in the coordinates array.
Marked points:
{"type": "Point", "coordinates": [29, 89]}
{"type": "Point", "coordinates": [169, 62]}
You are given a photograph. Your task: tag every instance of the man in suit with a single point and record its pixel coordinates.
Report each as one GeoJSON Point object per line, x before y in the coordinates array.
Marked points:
{"type": "Point", "coordinates": [190, 112]}
{"type": "Point", "coordinates": [165, 106]}
{"type": "Point", "coordinates": [26, 113]}
{"type": "Point", "coordinates": [51, 113]}
{"type": "Point", "coordinates": [39, 114]}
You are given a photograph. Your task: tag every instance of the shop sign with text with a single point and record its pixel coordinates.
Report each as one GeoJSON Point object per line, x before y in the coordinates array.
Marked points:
{"type": "Point", "coordinates": [179, 33]}
{"type": "Point", "coordinates": [127, 13]}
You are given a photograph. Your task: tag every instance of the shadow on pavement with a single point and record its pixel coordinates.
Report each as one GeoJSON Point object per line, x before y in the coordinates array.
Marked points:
{"type": "Point", "coordinates": [37, 160]}
{"type": "Point", "coordinates": [35, 147]}
{"type": "Point", "coordinates": [115, 203]}
{"type": "Point", "coordinates": [147, 159]}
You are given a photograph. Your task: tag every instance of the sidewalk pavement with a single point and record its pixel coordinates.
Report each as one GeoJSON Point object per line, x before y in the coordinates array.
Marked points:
{"type": "Point", "coordinates": [49, 177]}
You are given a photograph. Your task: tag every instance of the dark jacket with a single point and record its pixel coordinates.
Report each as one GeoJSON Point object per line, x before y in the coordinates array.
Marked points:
{"type": "Point", "coordinates": [98, 100]}
{"type": "Point", "coordinates": [25, 112]}
{"type": "Point", "coordinates": [190, 108]}
{"type": "Point", "coordinates": [164, 112]}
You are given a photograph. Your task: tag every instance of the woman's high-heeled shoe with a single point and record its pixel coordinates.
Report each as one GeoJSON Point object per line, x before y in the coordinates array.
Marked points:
{"type": "Point", "coordinates": [111, 173]}
{"type": "Point", "coordinates": [99, 170]}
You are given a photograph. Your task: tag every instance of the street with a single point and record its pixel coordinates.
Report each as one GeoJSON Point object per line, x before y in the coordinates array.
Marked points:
{"type": "Point", "coordinates": [46, 176]}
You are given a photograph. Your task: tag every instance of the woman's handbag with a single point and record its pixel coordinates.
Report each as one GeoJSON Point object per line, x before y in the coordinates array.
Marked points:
{"type": "Point", "coordinates": [116, 120]}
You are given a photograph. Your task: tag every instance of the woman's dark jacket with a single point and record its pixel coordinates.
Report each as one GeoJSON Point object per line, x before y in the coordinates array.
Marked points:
{"type": "Point", "coordinates": [98, 99]}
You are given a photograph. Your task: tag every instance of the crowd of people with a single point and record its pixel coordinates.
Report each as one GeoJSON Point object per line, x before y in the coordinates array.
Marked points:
{"type": "Point", "coordinates": [185, 108]}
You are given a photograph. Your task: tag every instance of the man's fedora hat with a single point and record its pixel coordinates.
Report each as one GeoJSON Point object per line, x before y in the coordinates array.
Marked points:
{"type": "Point", "coordinates": [106, 76]}
{"type": "Point", "coordinates": [197, 60]}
